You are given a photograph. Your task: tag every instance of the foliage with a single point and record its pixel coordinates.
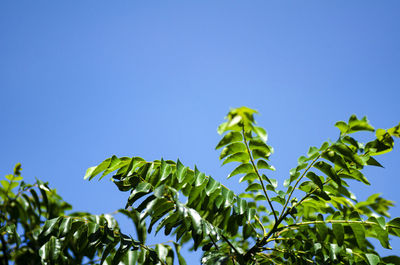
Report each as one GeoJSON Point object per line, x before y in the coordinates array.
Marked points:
{"type": "Point", "coordinates": [315, 219]}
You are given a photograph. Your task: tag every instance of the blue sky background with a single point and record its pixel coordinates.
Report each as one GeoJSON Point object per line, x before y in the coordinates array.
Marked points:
{"type": "Point", "coordinates": [83, 80]}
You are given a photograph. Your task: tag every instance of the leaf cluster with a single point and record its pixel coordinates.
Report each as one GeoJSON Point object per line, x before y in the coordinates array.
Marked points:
{"type": "Point", "coordinates": [313, 218]}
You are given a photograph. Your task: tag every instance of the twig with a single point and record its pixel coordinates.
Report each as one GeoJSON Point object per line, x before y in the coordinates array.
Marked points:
{"type": "Point", "coordinates": [214, 243]}
{"type": "Point", "coordinates": [258, 175]}
{"type": "Point", "coordinates": [297, 182]}
{"type": "Point", "coordinates": [230, 244]}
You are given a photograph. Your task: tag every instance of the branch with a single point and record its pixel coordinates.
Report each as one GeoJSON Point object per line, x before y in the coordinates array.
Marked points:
{"type": "Point", "coordinates": [297, 182]}
{"type": "Point", "coordinates": [258, 175]}
{"type": "Point", "coordinates": [283, 214]}
{"type": "Point", "coordinates": [214, 243]}
{"type": "Point", "coordinates": [230, 244]}
{"type": "Point", "coordinates": [262, 226]}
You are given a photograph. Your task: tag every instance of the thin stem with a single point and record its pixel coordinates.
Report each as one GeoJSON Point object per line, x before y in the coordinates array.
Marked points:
{"type": "Point", "coordinates": [258, 175]}
{"type": "Point", "coordinates": [230, 244]}
{"type": "Point", "coordinates": [214, 243]}
{"type": "Point", "coordinates": [297, 182]}
{"type": "Point", "coordinates": [262, 226]}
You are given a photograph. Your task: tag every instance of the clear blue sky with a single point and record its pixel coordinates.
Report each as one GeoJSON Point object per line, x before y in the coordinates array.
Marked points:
{"type": "Point", "coordinates": [83, 80]}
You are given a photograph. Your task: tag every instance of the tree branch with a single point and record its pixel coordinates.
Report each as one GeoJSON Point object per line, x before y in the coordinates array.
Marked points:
{"type": "Point", "coordinates": [230, 244]}
{"type": "Point", "coordinates": [297, 182]}
{"type": "Point", "coordinates": [258, 175]}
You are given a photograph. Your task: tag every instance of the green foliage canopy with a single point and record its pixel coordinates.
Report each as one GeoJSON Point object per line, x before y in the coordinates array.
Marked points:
{"type": "Point", "coordinates": [314, 219]}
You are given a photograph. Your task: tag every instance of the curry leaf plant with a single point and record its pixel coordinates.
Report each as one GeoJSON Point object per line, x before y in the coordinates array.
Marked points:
{"type": "Point", "coordinates": [313, 218]}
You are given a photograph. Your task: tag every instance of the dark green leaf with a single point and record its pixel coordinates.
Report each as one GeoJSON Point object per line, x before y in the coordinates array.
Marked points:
{"type": "Point", "coordinates": [359, 234]}
{"type": "Point", "coordinates": [315, 178]}
{"type": "Point", "coordinates": [338, 231]}
{"type": "Point", "coordinates": [328, 170]}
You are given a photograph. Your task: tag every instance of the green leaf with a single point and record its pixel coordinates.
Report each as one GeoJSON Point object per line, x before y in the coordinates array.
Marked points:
{"type": "Point", "coordinates": [141, 190]}
{"type": "Point", "coordinates": [312, 152]}
{"type": "Point", "coordinates": [160, 210]}
{"type": "Point", "coordinates": [338, 232]}
{"type": "Point", "coordinates": [254, 187]}
{"type": "Point", "coordinates": [107, 251]}
{"type": "Point", "coordinates": [328, 170]}
{"type": "Point", "coordinates": [394, 226]}
{"type": "Point", "coordinates": [336, 159]}
{"type": "Point", "coordinates": [37, 201]}
{"type": "Point", "coordinates": [242, 157]}
{"type": "Point", "coordinates": [260, 154]}
{"type": "Point", "coordinates": [346, 152]}
{"type": "Point", "coordinates": [241, 169]}
{"type": "Point", "coordinates": [356, 125]}
{"type": "Point", "coordinates": [395, 131]}
{"type": "Point", "coordinates": [359, 234]}
{"type": "Point", "coordinates": [355, 174]}
{"type": "Point", "coordinates": [50, 251]}
{"type": "Point", "coordinates": [372, 259]}
{"type": "Point", "coordinates": [180, 171]}
{"type": "Point", "coordinates": [232, 149]}
{"type": "Point", "coordinates": [11, 230]}
{"type": "Point", "coordinates": [315, 178]}
{"type": "Point", "coordinates": [93, 171]}
{"type": "Point", "coordinates": [261, 133]}
{"type": "Point", "coordinates": [255, 144]}
{"type": "Point", "coordinates": [392, 260]}
{"type": "Point", "coordinates": [262, 164]}
{"type": "Point", "coordinates": [115, 163]}
{"type": "Point", "coordinates": [165, 170]}
{"type": "Point", "coordinates": [249, 177]}
{"type": "Point", "coordinates": [342, 127]}
{"type": "Point", "coordinates": [65, 227]}
{"type": "Point", "coordinates": [50, 226]}
{"type": "Point", "coordinates": [229, 138]}
{"type": "Point", "coordinates": [372, 162]}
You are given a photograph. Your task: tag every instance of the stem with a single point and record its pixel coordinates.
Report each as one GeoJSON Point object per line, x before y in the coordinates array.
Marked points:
{"type": "Point", "coordinates": [232, 247]}
{"type": "Point", "coordinates": [258, 175]}
{"type": "Point", "coordinates": [297, 182]}
{"type": "Point", "coordinates": [262, 227]}
{"type": "Point", "coordinates": [230, 244]}
{"type": "Point", "coordinates": [214, 243]}
{"type": "Point", "coordinates": [282, 216]}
